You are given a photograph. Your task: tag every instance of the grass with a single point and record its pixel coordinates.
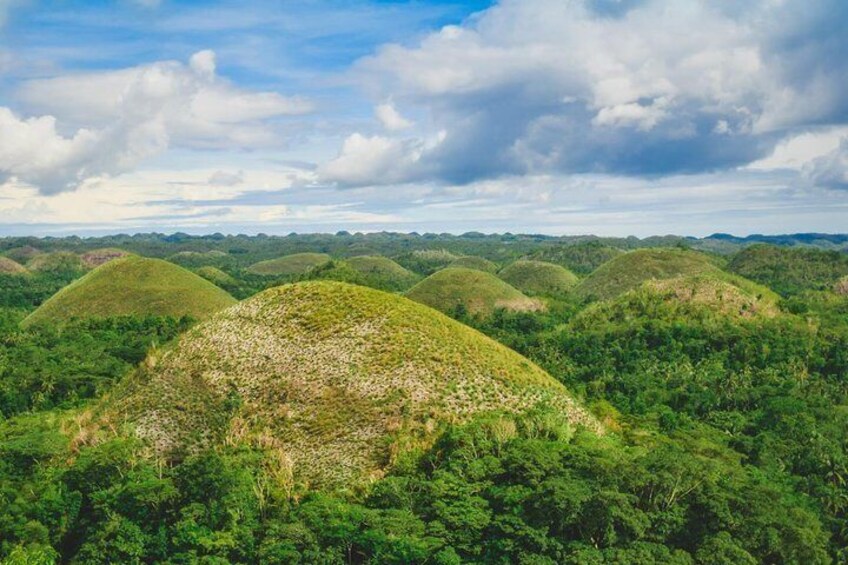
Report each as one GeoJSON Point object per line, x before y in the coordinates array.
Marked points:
{"type": "Point", "coordinates": [216, 276]}
{"type": "Point", "coordinates": [539, 277]}
{"type": "Point", "coordinates": [338, 379]}
{"type": "Point", "coordinates": [478, 292]}
{"type": "Point", "coordinates": [383, 272]}
{"type": "Point", "coordinates": [790, 270]}
{"type": "Point", "coordinates": [841, 286]}
{"type": "Point", "coordinates": [290, 265]}
{"type": "Point", "coordinates": [478, 263]}
{"type": "Point", "coordinates": [96, 257]}
{"type": "Point", "coordinates": [630, 270]}
{"type": "Point", "coordinates": [133, 285]}
{"type": "Point", "coordinates": [22, 254]}
{"type": "Point", "coordinates": [60, 261]}
{"type": "Point", "coordinates": [10, 267]}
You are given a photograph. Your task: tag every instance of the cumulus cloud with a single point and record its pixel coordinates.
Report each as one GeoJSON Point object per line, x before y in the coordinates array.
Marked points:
{"type": "Point", "coordinates": [363, 159]}
{"type": "Point", "coordinates": [390, 118]}
{"type": "Point", "coordinates": [831, 170]}
{"type": "Point", "coordinates": [86, 125]}
{"type": "Point", "coordinates": [633, 87]}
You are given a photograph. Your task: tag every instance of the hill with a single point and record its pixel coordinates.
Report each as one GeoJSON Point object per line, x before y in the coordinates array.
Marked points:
{"type": "Point", "coordinates": [478, 263]}
{"type": "Point", "coordinates": [22, 254]}
{"type": "Point", "coordinates": [427, 261]}
{"type": "Point", "coordinates": [216, 276]}
{"type": "Point", "coordinates": [58, 262]}
{"type": "Point", "coordinates": [290, 265]}
{"type": "Point", "coordinates": [790, 270]}
{"type": "Point", "coordinates": [478, 292]}
{"type": "Point", "coordinates": [96, 257]}
{"type": "Point", "coordinates": [133, 285]}
{"type": "Point", "coordinates": [630, 270]}
{"type": "Point", "coordinates": [539, 277]}
{"type": "Point", "coordinates": [10, 267]}
{"type": "Point", "coordinates": [582, 258]}
{"type": "Point", "coordinates": [383, 273]}
{"type": "Point", "coordinates": [337, 379]}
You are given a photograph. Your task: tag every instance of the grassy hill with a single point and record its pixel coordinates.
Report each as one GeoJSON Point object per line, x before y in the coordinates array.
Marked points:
{"type": "Point", "coordinates": [790, 270]}
{"type": "Point", "coordinates": [472, 262]}
{"type": "Point", "coordinates": [630, 270]}
{"type": "Point", "coordinates": [338, 380]}
{"type": "Point", "coordinates": [133, 285]}
{"type": "Point", "coordinates": [478, 292]}
{"type": "Point", "coordinates": [58, 262]}
{"type": "Point", "coordinates": [383, 273]}
{"type": "Point", "coordinates": [216, 276]}
{"type": "Point", "coordinates": [539, 277]}
{"type": "Point", "coordinates": [10, 267]}
{"type": "Point", "coordinates": [290, 265]}
{"type": "Point", "coordinates": [96, 257]}
{"type": "Point", "coordinates": [23, 253]}
{"type": "Point", "coordinates": [427, 261]}
{"type": "Point", "coordinates": [582, 258]}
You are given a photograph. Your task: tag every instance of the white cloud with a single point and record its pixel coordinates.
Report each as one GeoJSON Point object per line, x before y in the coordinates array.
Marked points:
{"type": "Point", "coordinates": [649, 87]}
{"type": "Point", "coordinates": [831, 170]}
{"type": "Point", "coordinates": [363, 159]}
{"type": "Point", "coordinates": [224, 178]}
{"type": "Point", "coordinates": [390, 118]}
{"type": "Point", "coordinates": [119, 118]}
{"type": "Point", "coordinates": [799, 150]}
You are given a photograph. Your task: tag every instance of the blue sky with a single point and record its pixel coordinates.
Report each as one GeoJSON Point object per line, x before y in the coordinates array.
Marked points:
{"type": "Point", "coordinates": [613, 117]}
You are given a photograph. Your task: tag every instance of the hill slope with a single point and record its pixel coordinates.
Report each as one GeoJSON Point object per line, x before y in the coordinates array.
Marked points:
{"type": "Point", "coordinates": [336, 378]}
{"type": "Point", "coordinates": [383, 273]}
{"type": "Point", "coordinates": [96, 257]}
{"type": "Point", "coordinates": [472, 262]}
{"type": "Point", "coordinates": [790, 270]}
{"type": "Point", "coordinates": [133, 285]}
{"type": "Point", "coordinates": [290, 265]}
{"type": "Point", "coordinates": [10, 267]}
{"type": "Point", "coordinates": [480, 293]}
{"type": "Point", "coordinates": [630, 270]}
{"type": "Point", "coordinates": [538, 277]}
{"type": "Point", "coordinates": [58, 262]}
{"type": "Point", "coordinates": [216, 276]}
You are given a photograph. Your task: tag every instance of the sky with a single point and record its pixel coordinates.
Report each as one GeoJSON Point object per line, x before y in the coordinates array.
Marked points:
{"type": "Point", "coordinates": [562, 117]}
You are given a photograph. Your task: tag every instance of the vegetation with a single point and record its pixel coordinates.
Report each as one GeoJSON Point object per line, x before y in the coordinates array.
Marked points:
{"type": "Point", "coordinates": [216, 276]}
{"type": "Point", "coordinates": [375, 272]}
{"type": "Point", "coordinates": [630, 270]}
{"type": "Point", "coordinates": [320, 422]}
{"type": "Point", "coordinates": [472, 262]}
{"type": "Point", "coordinates": [472, 291]}
{"type": "Point", "coordinates": [297, 264]}
{"type": "Point", "coordinates": [582, 258]}
{"type": "Point", "coordinates": [338, 380]}
{"type": "Point", "coordinates": [10, 267]}
{"type": "Point", "coordinates": [427, 261]}
{"type": "Point", "coordinates": [22, 254]}
{"type": "Point", "coordinates": [790, 271]}
{"type": "Point", "coordinates": [133, 286]}
{"type": "Point", "coordinates": [56, 263]}
{"type": "Point", "coordinates": [538, 277]}
{"type": "Point", "coordinates": [841, 286]}
{"type": "Point", "coordinates": [96, 257]}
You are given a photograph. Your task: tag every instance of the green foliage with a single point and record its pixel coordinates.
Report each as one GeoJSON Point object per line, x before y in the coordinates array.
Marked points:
{"type": "Point", "coordinates": [538, 277]}
{"type": "Point", "coordinates": [374, 272]}
{"type": "Point", "coordinates": [477, 292]}
{"type": "Point", "coordinates": [630, 270]}
{"type": "Point", "coordinates": [60, 262]}
{"type": "Point", "coordinates": [473, 262]}
{"type": "Point", "coordinates": [46, 366]}
{"type": "Point", "coordinates": [790, 271]}
{"type": "Point", "coordinates": [341, 380]}
{"type": "Point", "coordinates": [133, 286]}
{"type": "Point", "coordinates": [290, 265]}
{"type": "Point", "coordinates": [580, 258]}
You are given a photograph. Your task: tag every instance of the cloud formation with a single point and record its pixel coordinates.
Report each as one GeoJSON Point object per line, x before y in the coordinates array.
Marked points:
{"type": "Point", "coordinates": [640, 87]}
{"type": "Point", "coordinates": [830, 170]}
{"type": "Point", "coordinates": [87, 125]}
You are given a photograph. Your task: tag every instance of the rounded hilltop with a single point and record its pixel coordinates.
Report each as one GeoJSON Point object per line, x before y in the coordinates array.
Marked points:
{"type": "Point", "coordinates": [473, 262]}
{"type": "Point", "coordinates": [382, 272]}
{"type": "Point", "coordinates": [480, 293]}
{"type": "Point", "coordinates": [96, 257]}
{"type": "Point", "coordinates": [290, 265]}
{"type": "Point", "coordinates": [628, 271]}
{"type": "Point", "coordinates": [56, 262]}
{"type": "Point", "coordinates": [539, 277]}
{"type": "Point", "coordinates": [133, 285]}
{"type": "Point", "coordinates": [338, 379]}
{"type": "Point", "coordinates": [11, 267]}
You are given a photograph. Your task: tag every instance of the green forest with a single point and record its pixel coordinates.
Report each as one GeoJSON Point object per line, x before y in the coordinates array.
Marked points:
{"type": "Point", "coordinates": [558, 400]}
